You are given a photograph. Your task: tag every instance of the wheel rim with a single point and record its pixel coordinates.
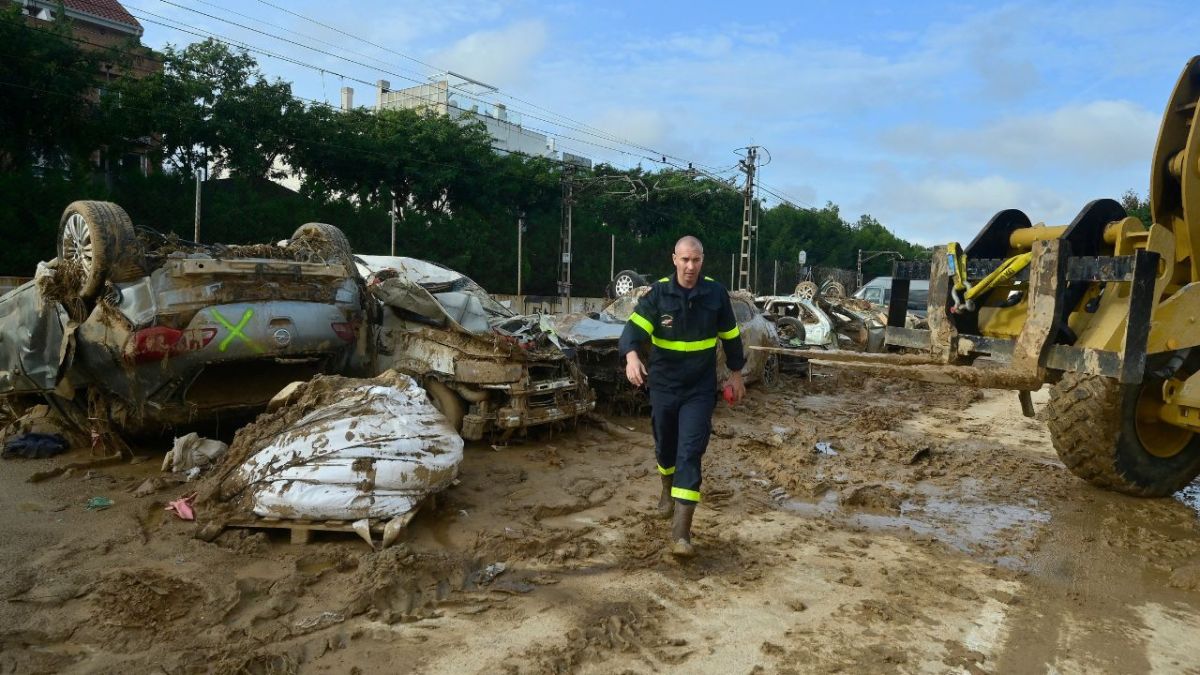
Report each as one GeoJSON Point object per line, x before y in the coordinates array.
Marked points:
{"type": "Point", "coordinates": [77, 243]}
{"type": "Point", "coordinates": [1159, 438]}
{"type": "Point", "coordinates": [624, 285]}
{"type": "Point", "coordinates": [806, 290]}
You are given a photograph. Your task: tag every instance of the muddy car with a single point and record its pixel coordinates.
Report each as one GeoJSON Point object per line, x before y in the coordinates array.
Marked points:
{"type": "Point", "coordinates": [594, 337]}
{"type": "Point", "coordinates": [130, 331]}
{"type": "Point", "coordinates": [799, 321]}
{"type": "Point", "coordinates": [491, 372]}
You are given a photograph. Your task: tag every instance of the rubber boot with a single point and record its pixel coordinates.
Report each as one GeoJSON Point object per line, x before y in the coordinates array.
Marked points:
{"type": "Point", "coordinates": [681, 530]}
{"type": "Point", "coordinates": [666, 505]}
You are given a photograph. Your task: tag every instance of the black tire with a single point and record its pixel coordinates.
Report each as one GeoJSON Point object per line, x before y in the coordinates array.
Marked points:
{"type": "Point", "coordinates": [790, 330]}
{"type": "Point", "coordinates": [770, 373]}
{"type": "Point", "coordinates": [99, 238]}
{"type": "Point", "coordinates": [450, 404]}
{"type": "Point", "coordinates": [327, 241]}
{"type": "Point", "coordinates": [625, 281]}
{"type": "Point", "coordinates": [1095, 429]}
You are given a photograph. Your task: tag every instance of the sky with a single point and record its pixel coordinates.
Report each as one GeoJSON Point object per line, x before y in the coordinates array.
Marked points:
{"type": "Point", "coordinates": [929, 116]}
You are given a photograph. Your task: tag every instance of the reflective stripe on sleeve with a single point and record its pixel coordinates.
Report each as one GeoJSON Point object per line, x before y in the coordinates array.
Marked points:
{"type": "Point", "coordinates": [690, 495]}
{"type": "Point", "coordinates": [729, 334]}
{"type": "Point", "coordinates": [643, 323]}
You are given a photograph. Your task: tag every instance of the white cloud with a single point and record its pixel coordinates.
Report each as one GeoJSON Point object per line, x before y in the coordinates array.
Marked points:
{"type": "Point", "coordinates": [498, 57]}
{"type": "Point", "coordinates": [1094, 136]}
{"type": "Point", "coordinates": [644, 126]}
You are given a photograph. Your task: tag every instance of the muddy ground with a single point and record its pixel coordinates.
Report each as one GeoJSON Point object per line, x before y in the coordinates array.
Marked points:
{"type": "Point", "coordinates": [848, 525]}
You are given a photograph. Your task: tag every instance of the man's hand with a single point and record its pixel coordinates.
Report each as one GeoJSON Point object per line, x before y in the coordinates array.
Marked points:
{"type": "Point", "coordinates": [739, 386]}
{"type": "Point", "coordinates": [635, 372]}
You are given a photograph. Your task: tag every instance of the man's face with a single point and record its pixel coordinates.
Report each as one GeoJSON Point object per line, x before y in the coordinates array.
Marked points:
{"type": "Point", "coordinates": [688, 261]}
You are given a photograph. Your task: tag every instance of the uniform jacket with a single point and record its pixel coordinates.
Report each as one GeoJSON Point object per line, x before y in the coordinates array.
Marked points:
{"type": "Point", "coordinates": [684, 333]}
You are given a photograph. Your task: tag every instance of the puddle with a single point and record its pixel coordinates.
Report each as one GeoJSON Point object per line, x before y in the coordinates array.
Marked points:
{"type": "Point", "coordinates": [972, 527]}
{"type": "Point", "coordinates": [1190, 497]}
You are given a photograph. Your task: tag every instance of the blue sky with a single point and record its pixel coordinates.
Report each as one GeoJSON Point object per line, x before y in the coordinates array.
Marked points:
{"type": "Point", "coordinates": [928, 116]}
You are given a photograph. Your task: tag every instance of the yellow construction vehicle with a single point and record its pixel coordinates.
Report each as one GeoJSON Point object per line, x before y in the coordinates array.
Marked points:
{"type": "Point", "coordinates": [1105, 308]}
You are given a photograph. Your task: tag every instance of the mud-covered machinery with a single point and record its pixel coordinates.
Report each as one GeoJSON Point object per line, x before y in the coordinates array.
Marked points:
{"type": "Point", "coordinates": [1105, 308]}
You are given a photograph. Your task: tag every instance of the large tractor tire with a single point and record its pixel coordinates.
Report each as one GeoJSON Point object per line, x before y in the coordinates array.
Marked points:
{"type": "Point", "coordinates": [99, 238]}
{"type": "Point", "coordinates": [1110, 435]}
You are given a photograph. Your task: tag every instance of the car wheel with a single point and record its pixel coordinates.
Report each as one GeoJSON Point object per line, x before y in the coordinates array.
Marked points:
{"type": "Point", "coordinates": [770, 373]}
{"type": "Point", "coordinates": [833, 289]}
{"type": "Point", "coordinates": [327, 241]}
{"type": "Point", "coordinates": [806, 289]}
{"type": "Point", "coordinates": [98, 238]}
{"type": "Point", "coordinates": [626, 281]}
{"type": "Point", "coordinates": [791, 331]}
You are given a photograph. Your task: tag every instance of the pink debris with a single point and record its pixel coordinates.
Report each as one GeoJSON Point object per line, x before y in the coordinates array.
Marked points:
{"type": "Point", "coordinates": [182, 507]}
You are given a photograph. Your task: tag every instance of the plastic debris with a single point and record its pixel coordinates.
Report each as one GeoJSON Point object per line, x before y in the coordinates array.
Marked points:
{"type": "Point", "coordinates": [191, 452]}
{"type": "Point", "coordinates": [34, 446]}
{"type": "Point", "coordinates": [487, 574]}
{"type": "Point", "coordinates": [98, 504]}
{"type": "Point", "coordinates": [825, 448]}
{"type": "Point", "coordinates": [182, 507]}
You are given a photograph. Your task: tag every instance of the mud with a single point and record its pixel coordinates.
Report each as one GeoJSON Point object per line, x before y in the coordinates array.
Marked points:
{"type": "Point", "coordinates": [849, 524]}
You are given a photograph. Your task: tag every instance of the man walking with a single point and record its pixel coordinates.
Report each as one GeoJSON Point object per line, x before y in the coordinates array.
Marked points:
{"type": "Point", "coordinates": [682, 317]}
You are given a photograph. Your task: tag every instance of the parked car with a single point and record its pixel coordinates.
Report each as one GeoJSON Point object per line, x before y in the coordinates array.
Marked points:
{"type": "Point", "coordinates": [594, 337]}
{"type": "Point", "coordinates": [490, 371]}
{"type": "Point", "coordinates": [130, 331]}
{"type": "Point", "coordinates": [878, 292]}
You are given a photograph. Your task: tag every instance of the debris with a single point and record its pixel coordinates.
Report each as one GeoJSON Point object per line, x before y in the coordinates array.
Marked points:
{"type": "Point", "coordinates": [98, 504]}
{"type": "Point", "coordinates": [489, 573]}
{"type": "Point", "coordinates": [34, 446]}
{"type": "Point", "coordinates": [192, 452]}
{"type": "Point", "coordinates": [919, 455]}
{"type": "Point", "coordinates": [344, 449]}
{"type": "Point", "coordinates": [824, 448]}
{"type": "Point", "coordinates": [60, 470]}
{"type": "Point", "coordinates": [182, 507]}
{"type": "Point", "coordinates": [322, 620]}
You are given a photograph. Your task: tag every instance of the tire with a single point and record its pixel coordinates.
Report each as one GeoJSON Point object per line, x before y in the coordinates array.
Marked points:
{"type": "Point", "coordinates": [833, 289]}
{"type": "Point", "coordinates": [625, 281]}
{"type": "Point", "coordinates": [770, 373]}
{"type": "Point", "coordinates": [327, 241]}
{"type": "Point", "coordinates": [807, 290]}
{"type": "Point", "coordinates": [450, 404]}
{"type": "Point", "coordinates": [1095, 428]}
{"type": "Point", "coordinates": [790, 329]}
{"type": "Point", "coordinates": [99, 237]}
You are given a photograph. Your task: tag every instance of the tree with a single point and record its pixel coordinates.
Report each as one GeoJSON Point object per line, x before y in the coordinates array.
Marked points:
{"type": "Point", "coordinates": [1137, 207]}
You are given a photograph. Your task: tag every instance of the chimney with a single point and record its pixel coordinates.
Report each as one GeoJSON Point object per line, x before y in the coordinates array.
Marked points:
{"type": "Point", "coordinates": [384, 87]}
{"type": "Point", "coordinates": [347, 98]}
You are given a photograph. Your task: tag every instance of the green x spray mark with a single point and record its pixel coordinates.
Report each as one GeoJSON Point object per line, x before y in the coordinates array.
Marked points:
{"type": "Point", "coordinates": [236, 331]}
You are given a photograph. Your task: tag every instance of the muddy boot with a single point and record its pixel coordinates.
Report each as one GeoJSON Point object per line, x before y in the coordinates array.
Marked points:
{"type": "Point", "coordinates": [666, 505]}
{"type": "Point", "coordinates": [681, 530]}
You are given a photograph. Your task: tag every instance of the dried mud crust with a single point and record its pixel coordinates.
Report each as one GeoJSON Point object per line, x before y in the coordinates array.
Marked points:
{"type": "Point", "coordinates": [1091, 425]}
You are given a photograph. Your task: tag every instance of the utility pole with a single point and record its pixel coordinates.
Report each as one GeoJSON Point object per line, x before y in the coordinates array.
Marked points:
{"type": "Point", "coordinates": [196, 233]}
{"type": "Point", "coordinates": [612, 255]}
{"type": "Point", "coordinates": [393, 217]}
{"type": "Point", "coordinates": [775, 282]}
{"type": "Point", "coordinates": [748, 165]}
{"type": "Point", "coordinates": [520, 235]}
{"type": "Point", "coordinates": [564, 260]}
{"type": "Point", "coordinates": [870, 255]}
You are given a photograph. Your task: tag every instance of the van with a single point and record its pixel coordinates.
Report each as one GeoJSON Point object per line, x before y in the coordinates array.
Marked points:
{"type": "Point", "coordinates": [878, 292]}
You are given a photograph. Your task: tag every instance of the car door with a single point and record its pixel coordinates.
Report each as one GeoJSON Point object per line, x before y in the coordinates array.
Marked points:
{"type": "Point", "coordinates": [33, 341]}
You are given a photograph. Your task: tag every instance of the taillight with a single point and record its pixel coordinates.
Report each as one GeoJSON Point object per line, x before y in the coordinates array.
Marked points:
{"type": "Point", "coordinates": [344, 330]}
{"type": "Point", "coordinates": [158, 342]}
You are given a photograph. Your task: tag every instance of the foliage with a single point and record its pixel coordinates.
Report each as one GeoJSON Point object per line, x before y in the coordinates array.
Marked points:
{"type": "Point", "coordinates": [457, 201]}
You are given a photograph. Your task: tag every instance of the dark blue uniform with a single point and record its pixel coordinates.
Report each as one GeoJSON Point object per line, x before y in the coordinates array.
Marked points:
{"type": "Point", "coordinates": [683, 327]}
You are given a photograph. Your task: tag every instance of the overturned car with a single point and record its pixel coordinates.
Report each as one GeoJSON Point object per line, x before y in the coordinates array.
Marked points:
{"type": "Point", "coordinates": [489, 371]}
{"type": "Point", "coordinates": [127, 330]}
{"type": "Point", "coordinates": [594, 337]}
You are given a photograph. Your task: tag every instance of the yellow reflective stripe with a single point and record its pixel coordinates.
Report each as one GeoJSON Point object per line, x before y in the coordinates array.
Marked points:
{"type": "Point", "coordinates": [690, 495]}
{"type": "Point", "coordinates": [666, 472]}
{"type": "Point", "coordinates": [729, 334]}
{"type": "Point", "coordinates": [643, 323]}
{"type": "Point", "coordinates": [710, 278]}
{"type": "Point", "coordinates": [665, 279]}
{"type": "Point", "coordinates": [684, 346]}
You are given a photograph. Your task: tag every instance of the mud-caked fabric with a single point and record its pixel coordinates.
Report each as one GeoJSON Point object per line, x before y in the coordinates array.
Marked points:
{"type": "Point", "coordinates": [683, 327]}
{"type": "Point", "coordinates": [682, 424]}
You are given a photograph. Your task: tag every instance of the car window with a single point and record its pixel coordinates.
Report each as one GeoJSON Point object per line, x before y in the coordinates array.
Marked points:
{"type": "Point", "coordinates": [742, 310]}
{"type": "Point", "coordinates": [874, 295]}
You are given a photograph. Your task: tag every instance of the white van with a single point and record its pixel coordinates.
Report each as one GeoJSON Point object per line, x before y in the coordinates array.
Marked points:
{"type": "Point", "coordinates": [878, 291]}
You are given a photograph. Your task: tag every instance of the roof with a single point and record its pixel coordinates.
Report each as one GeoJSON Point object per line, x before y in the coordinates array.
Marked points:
{"type": "Point", "coordinates": [104, 9]}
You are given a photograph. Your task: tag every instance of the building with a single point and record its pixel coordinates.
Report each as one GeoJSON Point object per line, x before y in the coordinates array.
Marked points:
{"type": "Point", "coordinates": [462, 98]}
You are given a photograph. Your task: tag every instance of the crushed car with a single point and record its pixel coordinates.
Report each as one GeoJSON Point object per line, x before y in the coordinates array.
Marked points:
{"type": "Point", "coordinates": [132, 331]}
{"type": "Point", "coordinates": [594, 336]}
{"type": "Point", "coordinates": [490, 371]}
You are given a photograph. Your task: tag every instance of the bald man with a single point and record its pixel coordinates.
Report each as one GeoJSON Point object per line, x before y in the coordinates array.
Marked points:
{"type": "Point", "coordinates": [683, 317]}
